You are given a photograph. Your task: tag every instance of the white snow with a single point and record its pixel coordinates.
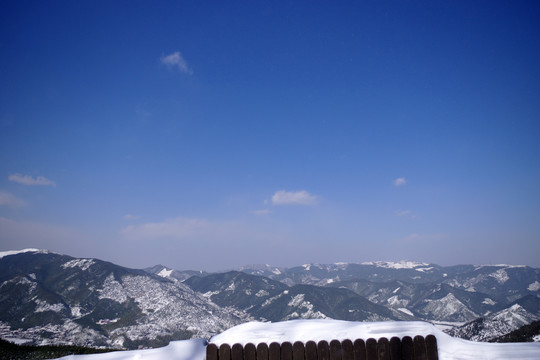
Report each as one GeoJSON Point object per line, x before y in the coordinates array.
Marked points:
{"type": "Point", "coordinates": [76, 311]}
{"type": "Point", "coordinates": [84, 264]}
{"type": "Point", "coordinates": [299, 302]}
{"type": "Point", "coordinates": [304, 330]}
{"type": "Point", "coordinates": [535, 286]}
{"type": "Point", "coordinates": [165, 273]}
{"type": "Point", "coordinates": [231, 287]}
{"type": "Point", "coordinates": [403, 264]}
{"type": "Point", "coordinates": [395, 301]}
{"type": "Point", "coordinates": [17, 341]}
{"type": "Point", "coordinates": [176, 350]}
{"type": "Point", "coordinates": [406, 311]}
{"type": "Point", "coordinates": [15, 252]}
{"type": "Point", "coordinates": [316, 330]}
{"type": "Point", "coordinates": [500, 275]}
{"type": "Point", "coordinates": [113, 290]}
{"type": "Point", "coordinates": [488, 301]}
{"type": "Point", "coordinates": [262, 293]}
{"type": "Point", "coordinates": [43, 306]}
{"type": "Point", "coordinates": [447, 307]}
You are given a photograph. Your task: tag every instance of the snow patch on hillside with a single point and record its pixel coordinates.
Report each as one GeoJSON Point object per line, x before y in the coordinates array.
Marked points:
{"type": "Point", "coordinates": [165, 273]}
{"type": "Point", "coordinates": [500, 275]}
{"type": "Point", "coordinates": [406, 311]}
{"type": "Point", "coordinates": [488, 301]}
{"type": "Point", "coordinates": [84, 264]}
{"type": "Point", "coordinates": [299, 302]}
{"type": "Point", "coordinates": [448, 307]}
{"type": "Point", "coordinates": [535, 286]}
{"type": "Point", "coordinates": [113, 290]}
{"type": "Point", "coordinates": [43, 306]}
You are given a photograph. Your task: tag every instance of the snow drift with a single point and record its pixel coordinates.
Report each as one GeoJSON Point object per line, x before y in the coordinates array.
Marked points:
{"type": "Point", "coordinates": [304, 330]}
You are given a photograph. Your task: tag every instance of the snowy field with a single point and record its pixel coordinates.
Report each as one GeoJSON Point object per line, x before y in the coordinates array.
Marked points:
{"type": "Point", "coordinates": [304, 330]}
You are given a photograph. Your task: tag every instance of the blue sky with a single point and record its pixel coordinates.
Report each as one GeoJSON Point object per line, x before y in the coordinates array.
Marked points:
{"type": "Point", "coordinates": [209, 135]}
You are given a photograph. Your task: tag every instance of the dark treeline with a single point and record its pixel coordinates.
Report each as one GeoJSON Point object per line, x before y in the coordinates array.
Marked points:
{"type": "Point", "coordinates": [13, 351]}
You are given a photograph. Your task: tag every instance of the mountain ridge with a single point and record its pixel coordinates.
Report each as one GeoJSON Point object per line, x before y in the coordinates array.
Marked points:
{"type": "Point", "coordinates": [48, 297]}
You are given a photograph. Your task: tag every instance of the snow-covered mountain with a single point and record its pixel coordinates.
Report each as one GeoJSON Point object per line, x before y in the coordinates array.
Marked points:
{"type": "Point", "coordinates": [429, 301]}
{"type": "Point", "coordinates": [267, 299]}
{"type": "Point", "coordinates": [323, 274]}
{"type": "Point", "coordinates": [521, 312]}
{"type": "Point", "coordinates": [172, 274]}
{"type": "Point", "coordinates": [52, 298]}
{"type": "Point", "coordinates": [452, 294]}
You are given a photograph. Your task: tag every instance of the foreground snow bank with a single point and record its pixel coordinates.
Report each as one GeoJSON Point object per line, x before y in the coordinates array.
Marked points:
{"type": "Point", "coordinates": [304, 330]}
{"type": "Point", "coordinates": [177, 350]}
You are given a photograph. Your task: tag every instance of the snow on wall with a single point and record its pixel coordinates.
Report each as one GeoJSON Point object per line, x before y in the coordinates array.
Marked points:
{"type": "Point", "coordinates": [304, 330]}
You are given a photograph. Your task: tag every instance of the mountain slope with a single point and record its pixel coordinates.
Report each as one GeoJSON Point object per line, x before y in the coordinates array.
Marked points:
{"type": "Point", "coordinates": [268, 299]}
{"type": "Point", "coordinates": [47, 297]}
{"type": "Point", "coordinates": [521, 312]}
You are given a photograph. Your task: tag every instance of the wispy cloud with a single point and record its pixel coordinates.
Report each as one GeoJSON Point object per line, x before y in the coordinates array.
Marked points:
{"type": "Point", "coordinates": [178, 228]}
{"type": "Point", "coordinates": [176, 60]}
{"type": "Point", "coordinates": [426, 238]}
{"type": "Point", "coordinates": [6, 199]}
{"type": "Point", "coordinates": [400, 181]}
{"type": "Point", "coordinates": [131, 217]}
{"type": "Point", "coordinates": [301, 197]}
{"type": "Point", "coordinates": [262, 212]}
{"type": "Point", "coordinates": [190, 230]}
{"type": "Point", "coordinates": [31, 181]}
{"type": "Point", "coordinates": [407, 213]}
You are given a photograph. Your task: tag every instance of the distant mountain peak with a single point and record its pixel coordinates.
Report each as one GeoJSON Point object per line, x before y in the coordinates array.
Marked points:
{"type": "Point", "coordinates": [402, 264]}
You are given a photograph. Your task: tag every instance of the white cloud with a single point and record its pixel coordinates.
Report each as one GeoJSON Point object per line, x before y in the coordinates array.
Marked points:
{"type": "Point", "coordinates": [407, 213]}
{"type": "Point", "coordinates": [176, 60]}
{"type": "Point", "coordinates": [301, 197]}
{"type": "Point", "coordinates": [262, 212]}
{"type": "Point", "coordinates": [26, 234]}
{"type": "Point", "coordinates": [131, 217]}
{"type": "Point", "coordinates": [400, 181]}
{"type": "Point", "coordinates": [178, 228]}
{"type": "Point", "coordinates": [31, 181]}
{"type": "Point", "coordinates": [6, 199]}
